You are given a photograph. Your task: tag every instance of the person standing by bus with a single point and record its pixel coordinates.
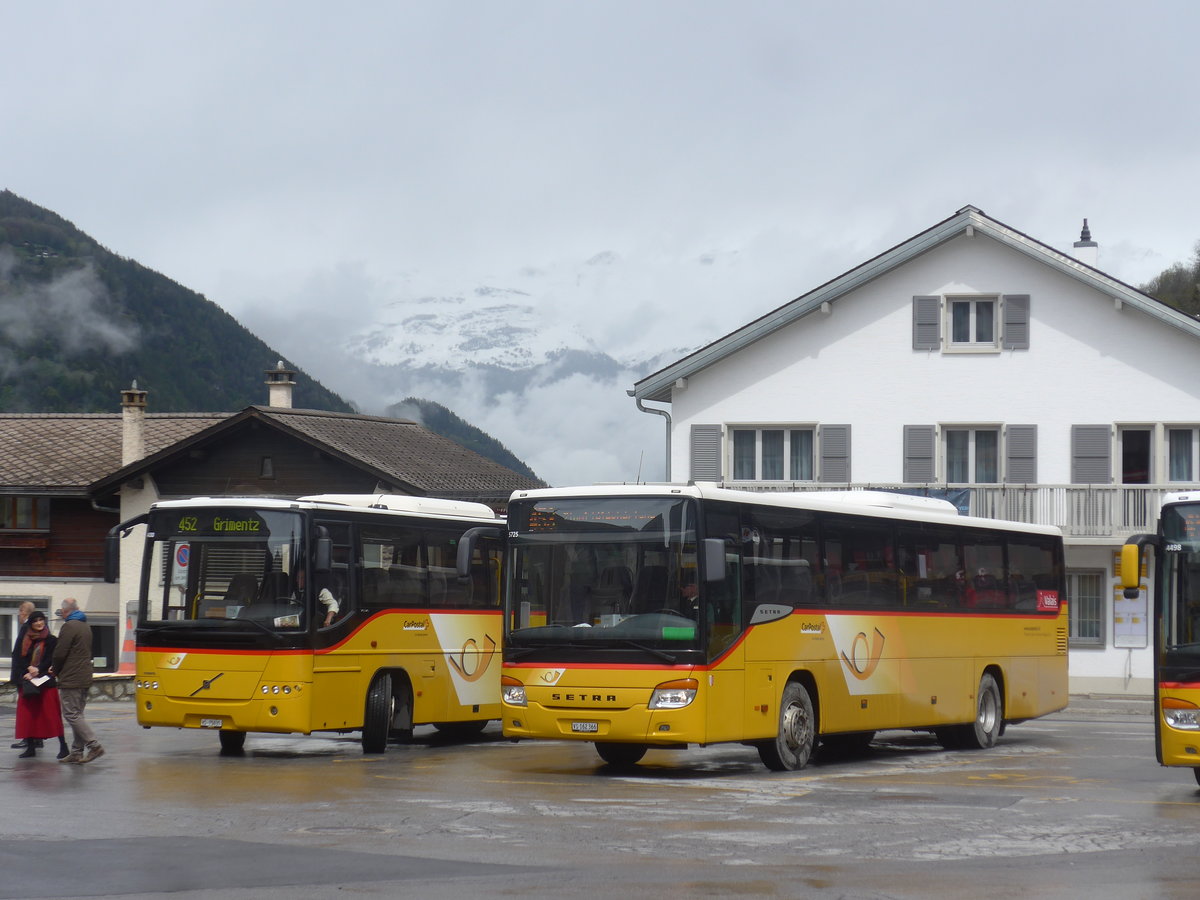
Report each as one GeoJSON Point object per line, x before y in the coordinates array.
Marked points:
{"type": "Point", "coordinates": [14, 678]}
{"type": "Point", "coordinates": [73, 668]}
{"type": "Point", "coordinates": [38, 713]}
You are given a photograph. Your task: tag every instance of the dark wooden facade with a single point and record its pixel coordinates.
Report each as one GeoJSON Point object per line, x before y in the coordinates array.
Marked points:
{"type": "Point", "coordinates": [235, 465]}
{"type": "Point", "coordinates": [72, 548]}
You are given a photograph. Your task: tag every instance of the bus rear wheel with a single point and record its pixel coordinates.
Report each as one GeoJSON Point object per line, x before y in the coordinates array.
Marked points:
{"type": "Point", "coordinates": [232, 741]}
{"type": "Point", "coordinates": [1196, 772]}
{"type": "Point", "coordinates": [377, 717]}
{"type": "Point", "coordinates": [989, 717]}
{"type": "Point", "coordinates": [793, 746]}
{"type": "Point", "coordinates": [621, 756]}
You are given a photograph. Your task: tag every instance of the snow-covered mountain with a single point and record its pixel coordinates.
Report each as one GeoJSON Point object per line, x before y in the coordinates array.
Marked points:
{"type": "Point", "coordinates": [487, 327]}
{"type": "Point", "coordinates": [541, 358]}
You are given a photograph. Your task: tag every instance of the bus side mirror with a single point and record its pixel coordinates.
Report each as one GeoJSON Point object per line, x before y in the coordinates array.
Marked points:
{"type": "Point", "coordinates": [466, 548]}
{"type": "Point", "coordinates": [1131, 563]}
{"type": "Point", "coordinates": [714, 559]}
{"type": "Point", "coordinates": [112, 556]}
{"type": "Point", "coordinates": [112, 546]}
{"type": "Point", "coordinates": [1131, 568]}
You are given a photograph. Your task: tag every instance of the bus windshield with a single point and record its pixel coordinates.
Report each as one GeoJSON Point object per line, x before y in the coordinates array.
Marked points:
{"type": "Point", "coordinates": [207, 564]}
{"type": "Point", "coordinates": [611, 572]}
{"type": "Point", "coordinates": [1181, 607]}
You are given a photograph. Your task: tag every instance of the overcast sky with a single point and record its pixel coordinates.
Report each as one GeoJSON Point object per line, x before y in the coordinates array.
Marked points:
{"type": "Point", "coordinates": [325, 159]}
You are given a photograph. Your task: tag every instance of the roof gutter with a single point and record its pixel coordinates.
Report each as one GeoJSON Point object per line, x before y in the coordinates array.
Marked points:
{"type": "Point", "coordinates": [666, 415]}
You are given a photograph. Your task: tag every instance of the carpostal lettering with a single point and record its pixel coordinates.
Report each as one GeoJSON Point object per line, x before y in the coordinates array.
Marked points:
{"type": "Point", "coordinates": [584, 698]}
{"type": "Point", "coordinates": [220, 524]}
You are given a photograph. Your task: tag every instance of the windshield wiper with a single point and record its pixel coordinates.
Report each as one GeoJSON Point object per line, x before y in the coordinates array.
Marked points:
{"type": "Point", "coordinates": [168, 627]}
{"type": "Point", "coordinates": [653, 651]}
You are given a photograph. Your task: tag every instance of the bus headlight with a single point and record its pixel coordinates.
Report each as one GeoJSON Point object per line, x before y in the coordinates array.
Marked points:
{"type": "Point", "coordinates": [1181, 714]}
{"type": "Point", "coordinates": [512, 691]}
{"type": "Point", "coordinates": [674, 694]}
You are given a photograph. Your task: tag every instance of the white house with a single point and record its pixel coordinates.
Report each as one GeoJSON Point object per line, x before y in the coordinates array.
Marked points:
{"type": "Point", "coordinates": [973, 362]}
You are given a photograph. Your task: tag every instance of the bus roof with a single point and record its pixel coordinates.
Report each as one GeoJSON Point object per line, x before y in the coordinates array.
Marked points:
{"type": "Point", "coordinates": [881, 504]}
{"type": "Point", "coordinates": [396, 503]}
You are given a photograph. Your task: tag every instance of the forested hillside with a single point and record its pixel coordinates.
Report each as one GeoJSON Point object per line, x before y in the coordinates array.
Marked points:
{"type": "Point", "coordinates": [1178, 286]}
{"type": "Point", "coordinates": [439, 419]}
{"type": "Point", "coordinates": [79, 323]}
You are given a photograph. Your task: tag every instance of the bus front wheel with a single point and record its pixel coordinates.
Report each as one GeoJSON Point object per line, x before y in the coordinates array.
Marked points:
{"type": "Point", "coordinates": [989, 717]}
{"type": "Point", "coordinates": [621, 756]}
{"type": "Point", "coordinates": [232, 741]}
{"type": "Point", "coordinates": [793, 746]}
{"type": "Point", "coordinates": [377, 717]}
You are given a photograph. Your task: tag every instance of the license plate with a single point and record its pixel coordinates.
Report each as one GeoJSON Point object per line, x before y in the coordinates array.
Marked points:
{"type": "Point", "coordinates": [588, 727]}
{"type": "Point", "coordinates": [211, 723]}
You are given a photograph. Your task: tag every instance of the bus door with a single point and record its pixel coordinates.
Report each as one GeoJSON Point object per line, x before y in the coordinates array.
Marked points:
{"type": "Point", "coordinates": [331, 601]}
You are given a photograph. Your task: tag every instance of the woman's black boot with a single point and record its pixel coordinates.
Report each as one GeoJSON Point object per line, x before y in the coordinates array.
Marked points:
{"type": "Point", "coordinates": [62, 749]}
{"type": "Point", "coordinates": [30, 750]}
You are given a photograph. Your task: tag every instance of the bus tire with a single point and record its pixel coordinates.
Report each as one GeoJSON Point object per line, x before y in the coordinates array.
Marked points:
{"type": "Point", "coordinates": [621, 756]}
{"type": "Point", "coordinates": [377, 717]}
{"type": "Point", "coordinates": [232, 741]}
{"type": "Point", "coordinates": [1196, 772]}
{"type": "Point", "coordinates": [793, 746]}
{"type": "Point", "coordinates": [989, 717]}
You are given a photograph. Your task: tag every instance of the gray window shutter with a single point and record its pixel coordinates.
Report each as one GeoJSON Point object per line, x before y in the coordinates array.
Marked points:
{"type": "Point", "coordinates": [918, 454]}
{"type": "Point", "coordinates": [1016, 322]}
{"type": "Point", "coordinates": [706, 453]}
{"type": "Point", "coordinates": [1020, 450]}
{"type": "Point", "coordinates": [835, 453]}
{"type": "Point", "coordinates": [927, 312]}
{"type": "Point", "coordinates": [1091, 454]}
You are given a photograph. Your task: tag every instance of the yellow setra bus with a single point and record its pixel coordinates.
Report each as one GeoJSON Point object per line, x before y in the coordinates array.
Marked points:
{"type": "Point", "coordinates": [329, 613]}
{"type": "Point", "coordinates": [1176, 618]}
{"type": "Point", "coordinates": [648, 616]}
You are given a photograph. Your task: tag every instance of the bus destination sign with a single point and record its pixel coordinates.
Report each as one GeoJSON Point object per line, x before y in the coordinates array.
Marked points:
{"type": "Point", "coordinates": [1181, 523]}
{"type": "Point", "coordinates": [221, 522]}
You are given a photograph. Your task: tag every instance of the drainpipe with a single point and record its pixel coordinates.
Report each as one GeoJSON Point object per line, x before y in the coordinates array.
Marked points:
{"type": "Point", "coordinates": [666, 415]}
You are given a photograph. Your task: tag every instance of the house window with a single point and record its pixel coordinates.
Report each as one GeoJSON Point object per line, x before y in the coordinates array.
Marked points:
{"type": "Point", "coordinates": [24, 513]}
{"type": "Point", "coordinates": [1182, 447]}
{"type": "Point", "coordinates": [1085, 603]}
{"type": "Point", "coordinates": [1135, 455]}
{"type": "Point", "coordinates": [773, 454]}
{"type": "Point", "coordinates": [972, 455]}
{"type": "Point", "coordinates": [972, 322]}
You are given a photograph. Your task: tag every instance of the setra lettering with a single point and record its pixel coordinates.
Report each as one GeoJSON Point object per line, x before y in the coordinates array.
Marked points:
{"type": "Point", "coordinates": [585, 698]}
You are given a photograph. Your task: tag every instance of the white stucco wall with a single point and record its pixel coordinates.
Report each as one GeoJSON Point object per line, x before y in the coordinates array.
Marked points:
{"type": "Point", "coordinates": [1089, 363]}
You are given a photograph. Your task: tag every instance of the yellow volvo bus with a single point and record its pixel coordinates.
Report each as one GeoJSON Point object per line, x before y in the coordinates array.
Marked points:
{"type": "Point", "coordinates": [329, 613]}
{"type": "Point", "coordinates": [1176, 617]}
{"type": "Point", "coordinates": [661, 616]}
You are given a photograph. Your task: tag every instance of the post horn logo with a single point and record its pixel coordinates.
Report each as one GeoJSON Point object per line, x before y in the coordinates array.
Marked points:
{"type": "Point", "coordinates": [864, 654]}
{"type": "Point", "coordinates": [472, 661]}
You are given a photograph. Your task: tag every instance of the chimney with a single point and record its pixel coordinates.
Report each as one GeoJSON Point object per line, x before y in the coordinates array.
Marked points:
{"type": "Point", "coordinates": [1087, 251]}
{"type": "Point", "coordinates": [280, 382]}
{"type": "Point", "coordinates": [133, 425]}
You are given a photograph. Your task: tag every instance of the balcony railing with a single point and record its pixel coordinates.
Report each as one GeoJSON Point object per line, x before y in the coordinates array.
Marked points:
{"type": "Point", "coordinates": [1098, 511]}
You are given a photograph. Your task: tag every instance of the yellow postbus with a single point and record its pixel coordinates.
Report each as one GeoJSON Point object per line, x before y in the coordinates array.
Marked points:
{"type": "Point", "coordinates": [1176, 617]}
{"type": "Point", "coordinates": [648, 616]}
{"type": "Point", "coordinates": [329, 613]}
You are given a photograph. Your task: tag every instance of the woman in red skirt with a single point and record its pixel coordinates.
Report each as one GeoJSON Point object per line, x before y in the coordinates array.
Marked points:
{"type": "Point", "coordinates": [38, 715]}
